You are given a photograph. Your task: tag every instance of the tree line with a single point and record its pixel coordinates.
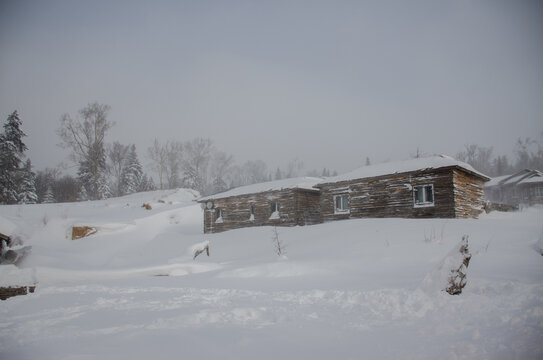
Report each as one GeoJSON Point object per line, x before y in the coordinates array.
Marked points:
{"type": "Point", "coordinates": [528, 155]}
{"type": "Point", "coordinates": [113, 169]}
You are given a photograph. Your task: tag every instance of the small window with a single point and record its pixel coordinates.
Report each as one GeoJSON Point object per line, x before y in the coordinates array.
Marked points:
{"type": "Point", "coordinates": [539, 191]}
{"type": "Point", "coordinates": [219, 213]}
{"type": "Point", "coordinates": [341, 204]}
{"type": "Point", "coordinates": [274, 209]}
{"type": "Point", "coordinates": [252, 213]}
{"type": "Point", "coordinates": [423, 195]}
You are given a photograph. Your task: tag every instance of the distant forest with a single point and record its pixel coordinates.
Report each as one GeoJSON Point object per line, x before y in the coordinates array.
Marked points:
{"type": "Point", "coordinates": [113, 169]}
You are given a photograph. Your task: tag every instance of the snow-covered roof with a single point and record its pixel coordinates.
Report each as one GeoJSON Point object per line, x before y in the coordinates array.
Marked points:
{"type": "Point", "coordinates": [497, 180]}
{"type": "Point", "coordinates": [525, 176]}
{"type": "Point", "coordinates": [516, 178]}
{"type": "Point", "coordinates": [307, 183]}
{"type": "Point", "coordinates": [532, 180]}
{"type": "Point", "coordinates": [398, 167]}
{"type": "Point", "coordinates": [535, 177]}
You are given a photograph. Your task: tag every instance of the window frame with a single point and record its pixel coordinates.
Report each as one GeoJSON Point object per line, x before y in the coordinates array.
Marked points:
{"type": "Point", "coordinates": [219, 219]}
{"type": "Point", "coordinates": [251, 213]}
{"type": "Point", "coordinates": [275, 210]}
{"type": "Point", "coordinates": [425, 202]}
{"type": "Point", "coordinates": [343, 197]}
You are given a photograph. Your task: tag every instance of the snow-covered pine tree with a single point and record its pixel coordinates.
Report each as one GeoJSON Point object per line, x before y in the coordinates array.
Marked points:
{"type": "Point", "coordinates": [146, 184]}
{"type": "Point", "coordinates": [12, 150]}
{"type": "Point", "coordinates": [27, 186]}
{"type": "Point", "coordinates": [49, 198]}
{"type": "Point", "coordinates": [132, 172]}
{"type": "Point", "coordinates": [104, 191]}
{"type": "Point", "coordinates": [85, 178]}
{"type": "Point", "coordinates": [82, 196]}
{"type": "Point", "coordinates": [91, 174]}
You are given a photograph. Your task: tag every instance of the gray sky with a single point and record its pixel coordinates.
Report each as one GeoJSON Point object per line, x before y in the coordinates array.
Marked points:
{"type": "Point", "coordinates": [328, 82]}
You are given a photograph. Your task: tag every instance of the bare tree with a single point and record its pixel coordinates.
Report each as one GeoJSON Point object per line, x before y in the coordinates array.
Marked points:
{"type": "Point", "coordinates": [477, 156]}
{"type": "Point", "coordinates": [174, 157]}
{"type": "Point", "coordinates": [254, 171]}
{"type": "Point", "coordinates": [117, 154]}
{"type": "Point", "coordinates": [220, 168]}
{"type": "Point", "coordinates": [86, 139]}
{"type": "Point", "coordinates": [293, 168]}
{"type": "Point", "coordinates": [195, 165]}
{"type": "Point", "coordinates": [158, 155]}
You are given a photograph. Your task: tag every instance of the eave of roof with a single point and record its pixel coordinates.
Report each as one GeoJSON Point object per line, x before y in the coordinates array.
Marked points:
{"type": "Point", "coordinates": [301, 183]}
{"type": "Point", "coordinates": [401, 167]}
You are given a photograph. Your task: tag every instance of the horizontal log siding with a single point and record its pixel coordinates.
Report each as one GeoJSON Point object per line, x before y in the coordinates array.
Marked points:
{"type": "Point", "coordinates": [236, 210]}
{"type": "Point", "coordinates": [468, 195]}
{"type": "Point", "coordinates": [308, 207]}
{"type": "Point", "coordinates": [391, 196]}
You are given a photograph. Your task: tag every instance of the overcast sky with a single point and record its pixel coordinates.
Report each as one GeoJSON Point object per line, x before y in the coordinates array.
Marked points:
{"type": "Point", "coordinates": [328, 82]}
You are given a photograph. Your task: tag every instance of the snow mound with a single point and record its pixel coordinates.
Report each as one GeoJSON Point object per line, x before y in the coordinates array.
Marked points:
{"type": "Point", "coordinates": [6, 226]}
{"type": "Point", "coordinates": [11, 275]}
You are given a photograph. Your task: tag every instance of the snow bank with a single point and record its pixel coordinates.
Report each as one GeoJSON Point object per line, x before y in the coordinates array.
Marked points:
{"type": "Point", "coordinates": [349, 289]}
{"type": "Point", "coordinates": [10, 275]}
{"type": "Point", "coordinates": [6, 226]}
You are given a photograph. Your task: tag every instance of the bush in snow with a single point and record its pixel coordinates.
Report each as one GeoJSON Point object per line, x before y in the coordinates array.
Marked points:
{"type": "Point", "coordinates": [457, 278]}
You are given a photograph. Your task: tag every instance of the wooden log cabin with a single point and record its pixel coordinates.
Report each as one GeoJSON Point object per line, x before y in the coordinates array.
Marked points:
{"type": "Point", "coordinates": [286, 202]}
{"type": "Point", "coordinates": [438, 186]}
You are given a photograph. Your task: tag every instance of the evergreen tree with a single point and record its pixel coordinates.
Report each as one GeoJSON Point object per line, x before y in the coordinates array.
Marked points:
{"type": "Point", "coordinates": [147, 184]}
{"type": "Point", "coordinates": [27, 185]}
{"type": "Point", "coordinates": [82, 196]}
{"type": "Point", "coordinates": [91, 173]}
{"type": "Point", "coordinates": [49, 198]}
{"type": "Point", "coordinates": [12, 151]}
{"type": "Point", "coordinates": [104, 191]}
{"type": "Point", "coordinates": [132, 173]}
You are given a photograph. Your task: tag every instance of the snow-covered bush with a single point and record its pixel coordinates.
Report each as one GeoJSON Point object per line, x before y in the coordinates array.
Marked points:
{"type": "Point", "coordinates": [457, 279]}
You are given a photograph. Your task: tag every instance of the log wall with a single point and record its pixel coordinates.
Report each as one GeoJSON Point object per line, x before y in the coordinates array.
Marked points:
{"type": "Point", "coordinates": [457, 193]}
{"type": "Point", "coordinates": [391, 196]}
{"type": "Point", "coordinates": [468, 194]}
{"type": "Point", "coordinates": [296, 207]}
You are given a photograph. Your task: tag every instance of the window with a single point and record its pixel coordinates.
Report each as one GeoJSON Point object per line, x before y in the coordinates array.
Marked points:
{"type": "Point", "coordinates": [219, 213]}
{"type": "Point", "coordinates": [274, 209]}
{"type": "Point", "coordinates": [252, 214]}
{"type": "Point", "coordinates": [539, 191]}
{"type": "Point", "coordinates": [423, 195]}
{"type": "Point", "coordinates": [341, 204]}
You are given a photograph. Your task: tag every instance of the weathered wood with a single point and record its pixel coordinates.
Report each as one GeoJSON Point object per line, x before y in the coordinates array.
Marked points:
{"type": "Point", "coordinates": [390, 196]}
{"type": "Point", "coordinates": [468, 195]}
{"type": "Point", "coordinates": [456, 193]}
{"type": "Point", "coordinates": [296, 207]}
{"type": "Point", "coordinates": [7, 292]}
{"type": "Point", "coordinates": [79, 232]}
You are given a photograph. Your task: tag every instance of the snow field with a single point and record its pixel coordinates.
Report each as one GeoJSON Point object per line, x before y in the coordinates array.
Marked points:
{"type": "Point", "coordinates": [369, 288]}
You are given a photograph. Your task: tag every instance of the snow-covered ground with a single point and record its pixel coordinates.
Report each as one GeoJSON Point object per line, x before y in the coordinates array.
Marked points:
{"type": "Point", "coordinates": [355, 289]}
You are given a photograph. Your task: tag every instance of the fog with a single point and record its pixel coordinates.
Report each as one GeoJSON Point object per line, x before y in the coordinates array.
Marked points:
{"type": "Point", "coordinates": [330, 83]}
